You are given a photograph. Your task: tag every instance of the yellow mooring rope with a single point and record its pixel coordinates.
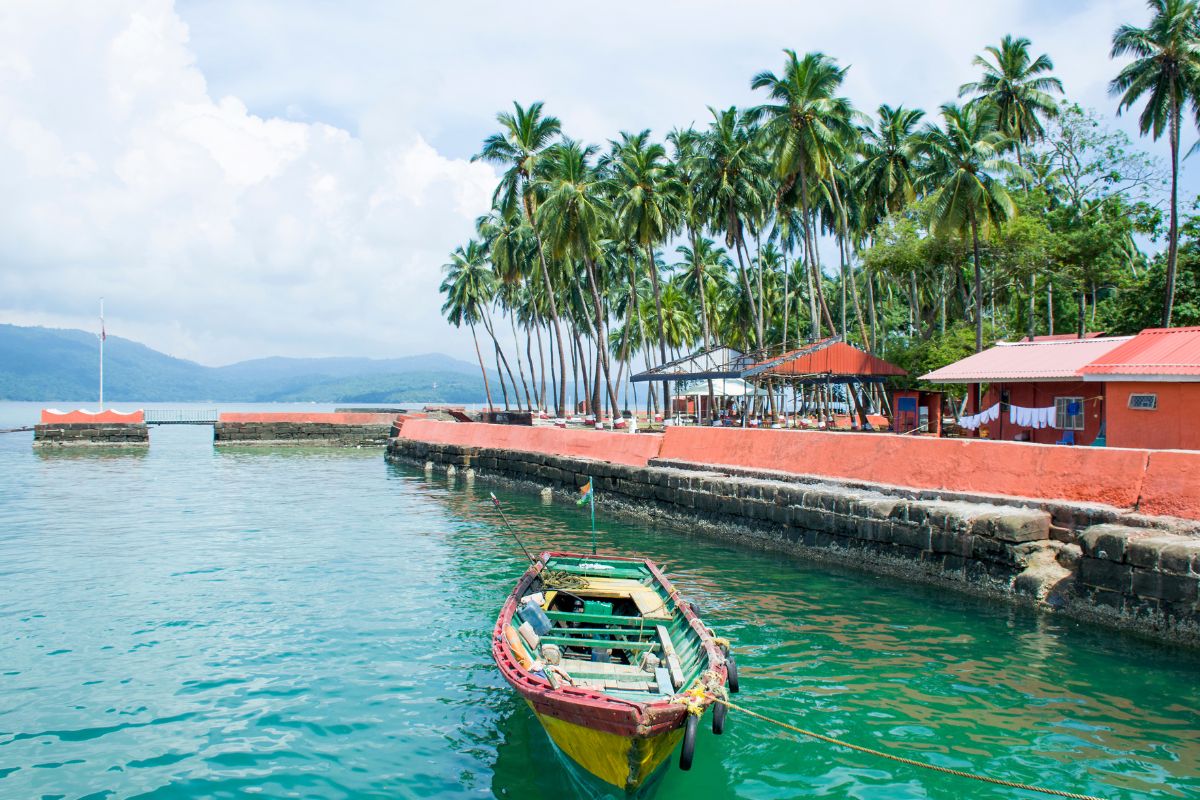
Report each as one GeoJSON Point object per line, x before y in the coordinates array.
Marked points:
{"type": "Point", "coordinates": [901, 759]}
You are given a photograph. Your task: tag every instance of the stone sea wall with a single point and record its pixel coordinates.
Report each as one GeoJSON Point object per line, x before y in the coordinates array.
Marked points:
{"type": "Point", "coordinates": [304, 434]}
{"type": "Point", "coordinates": [1084, 559]}
{"type": "Point", "coordinates": [85, 434]}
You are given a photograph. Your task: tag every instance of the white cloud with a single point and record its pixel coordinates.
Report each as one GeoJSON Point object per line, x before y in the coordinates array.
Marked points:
{"type": "Point", "coordinates": [214, 233]}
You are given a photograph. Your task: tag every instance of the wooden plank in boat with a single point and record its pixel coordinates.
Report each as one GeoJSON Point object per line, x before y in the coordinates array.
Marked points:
{"type": "Point", "coordinates": [670, 657]}
{"type": "Point", "coordinates": [596, 619]}
{"type": "Point", "coordinates": [586, 668]}
{"type": "Point", "coordinates": [647, 630]}
{"type": "Point", "coordinates": [608, 644]}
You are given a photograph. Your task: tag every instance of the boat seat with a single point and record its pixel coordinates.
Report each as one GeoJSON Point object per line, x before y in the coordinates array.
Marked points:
{"type": "Point", "coordinates": [649, 603]}
{"type": "Point", "coordinates": [604, 644]}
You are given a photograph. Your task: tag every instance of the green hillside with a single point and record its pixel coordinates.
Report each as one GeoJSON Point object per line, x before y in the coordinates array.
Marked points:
{"type": "Point", "coordinates": [52, 364]}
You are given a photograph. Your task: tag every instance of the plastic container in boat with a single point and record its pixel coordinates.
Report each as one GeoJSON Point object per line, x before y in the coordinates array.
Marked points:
{"type": "Point", "coordinates": [537, 619]}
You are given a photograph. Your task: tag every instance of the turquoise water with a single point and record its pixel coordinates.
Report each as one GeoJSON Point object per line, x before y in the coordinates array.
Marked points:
{"type": "Point", "coordinates": [191, 623]}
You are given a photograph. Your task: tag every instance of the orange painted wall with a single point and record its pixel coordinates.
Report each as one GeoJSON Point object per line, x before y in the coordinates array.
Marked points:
{"type": "Point", "coordinates": [1174, 425]}
{"type": "Point", "coordinates": [131, 417]}
{"type": "Point", "coordinates": [1041, 395]}
{"type": "Point", "coordinates": [1172, 484]}
{"type": "Point", "coordinates": [328, 418]}
{"type": "Point", "coordinates": [618, 448]}
{"type": "Point", "coordinates": [1154, 482]}
{"type": "Point", "coordinates": [1101, 475]}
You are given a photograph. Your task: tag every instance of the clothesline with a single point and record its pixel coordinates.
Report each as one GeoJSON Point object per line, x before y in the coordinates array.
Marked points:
{"type": "Point", "coordinates": [1036, 418]}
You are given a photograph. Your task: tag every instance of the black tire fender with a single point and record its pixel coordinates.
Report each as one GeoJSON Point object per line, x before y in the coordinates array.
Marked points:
{"type": "Point", "coordinates": [720, 711]}
{"type": "Point", "coordinates": [688, 751]}
{"type": "Point", "coordinates": [731, 671]}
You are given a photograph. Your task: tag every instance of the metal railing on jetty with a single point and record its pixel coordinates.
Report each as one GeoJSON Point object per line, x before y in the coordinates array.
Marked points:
{"type": "Point", "coordinates": [182, 416]}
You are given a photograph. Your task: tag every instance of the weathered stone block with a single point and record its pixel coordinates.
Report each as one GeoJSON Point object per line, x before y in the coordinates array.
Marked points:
{"type": "Point", "coordinates": [1105, 574]}
{"type": "Point", "coordinates": [1146, 550]}
{"type": "Point", "coordinates": [1012, 524]}
{"type": "Point", "coordinates": [950, 541]}
{"type": "Point", "coordinates": [1178, 558]}
{"type": "Point", "coordinates": [911, 535]}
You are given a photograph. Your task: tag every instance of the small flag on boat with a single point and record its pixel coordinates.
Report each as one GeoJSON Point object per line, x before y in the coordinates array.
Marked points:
{"type": "Point", "coordinates": [585, 493]}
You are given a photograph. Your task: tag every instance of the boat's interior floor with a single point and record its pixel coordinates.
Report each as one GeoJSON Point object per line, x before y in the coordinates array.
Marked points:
{"type": "Point", "coordinates": [610, 636]}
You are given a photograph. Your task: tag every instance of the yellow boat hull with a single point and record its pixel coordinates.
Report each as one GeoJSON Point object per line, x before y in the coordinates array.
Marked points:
{"type": "Point", "coordinates": [621, 761]}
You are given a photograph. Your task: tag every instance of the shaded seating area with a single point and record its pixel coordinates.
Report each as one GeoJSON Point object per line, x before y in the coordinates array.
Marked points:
{"type": "Point", "coordinates": [823, 383]}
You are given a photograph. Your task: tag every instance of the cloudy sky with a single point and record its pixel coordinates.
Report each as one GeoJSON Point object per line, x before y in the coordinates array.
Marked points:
{"type": "Point", "coordinates": [241, 178]}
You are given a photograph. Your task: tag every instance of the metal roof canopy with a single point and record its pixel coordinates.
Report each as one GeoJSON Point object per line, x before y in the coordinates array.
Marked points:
{"type": "Point", "coordinates": [721, 362]}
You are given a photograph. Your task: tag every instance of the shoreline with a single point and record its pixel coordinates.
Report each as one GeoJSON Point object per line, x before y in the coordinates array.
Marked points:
{"type": "Point", "coordinates": [1107, 568]}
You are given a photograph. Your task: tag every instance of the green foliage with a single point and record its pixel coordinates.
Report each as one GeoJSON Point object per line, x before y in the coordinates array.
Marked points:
{"type": "Point", "coordinates": [1135, 304]}
{"type": "Point", "coordinates": [922, 357]}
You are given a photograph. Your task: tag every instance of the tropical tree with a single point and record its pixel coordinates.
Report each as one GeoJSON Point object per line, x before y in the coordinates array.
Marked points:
{"type": "Point", "coordinates": [887, 172]}
{"type": "Point", "coordinates": [1019, 86]}
{"type": "Point", "coordinates": [1166, 72]}
{"type": "Point", "coordinates": [648, 207]}
{"type": "Point", "coordinates": [961, 169]}
{"type": "Point", "coordinates": [572, 219]}
{"type": "Point", "coordinates": [469, 287]}
{"type": "Point", "coordinates": [731, 181]}
{"type": "Point", "coordinates": [518, 147]}
{"type": "Point", "coordinates": [806, 126]}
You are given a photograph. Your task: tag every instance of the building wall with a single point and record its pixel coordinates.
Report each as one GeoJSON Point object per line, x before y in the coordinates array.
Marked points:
{"type": "Point", "coordinates": [1040, 395]}
{"type": "Point", "coordinates": [1174, 425]}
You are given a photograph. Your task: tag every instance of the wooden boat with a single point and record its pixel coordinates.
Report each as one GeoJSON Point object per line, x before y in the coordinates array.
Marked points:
{"type": "Point", "coordinates": [614, 665]}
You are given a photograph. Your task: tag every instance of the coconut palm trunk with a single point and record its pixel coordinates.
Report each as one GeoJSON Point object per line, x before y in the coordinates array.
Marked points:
{"type": "Point", "coordinates": [487, 389]}
{"type": "Point", "coordinates": [600, 335]}
{"type": "Point", "coordinates": [553, 308]}
{"type": "Point", "coordinates": [978, 286]}
{"type": "Point", "coordinates": [1173, 229]}
{"type": "Point", "coordinates": [662, 337]}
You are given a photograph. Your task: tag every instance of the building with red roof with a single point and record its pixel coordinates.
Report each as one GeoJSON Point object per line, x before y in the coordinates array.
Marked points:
{"type": "Point", "coordinates": [1152, 387]}
{"type": "Point", "coordinates": [1123, 391]}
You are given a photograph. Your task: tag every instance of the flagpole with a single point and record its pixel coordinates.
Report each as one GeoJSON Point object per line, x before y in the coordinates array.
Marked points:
{"type": "Point", "coordinates": [101, 353]}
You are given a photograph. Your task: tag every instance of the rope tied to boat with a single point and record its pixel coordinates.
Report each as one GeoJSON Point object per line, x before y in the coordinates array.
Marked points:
{"type": "Point", "coordinates": [900, 759]}
{"type": "Point", "coordinates": [557, 579]}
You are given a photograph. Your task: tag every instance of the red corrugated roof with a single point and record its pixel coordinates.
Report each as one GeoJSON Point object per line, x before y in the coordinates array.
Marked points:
{"type": "Point", "coordinates": [838, 359]}
{"type": "Point", "coordinates": [1054, 359]}
{"type": "Point", "coordinates": [1154, 351]}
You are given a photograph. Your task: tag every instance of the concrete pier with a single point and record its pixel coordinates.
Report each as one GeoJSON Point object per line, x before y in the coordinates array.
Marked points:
{"type": "Point", "coordinates": [84, 434]}
{"type": "Point", "coordinates": [304, 430]}
{"type": "Point", "coordinates": [1090, 560]}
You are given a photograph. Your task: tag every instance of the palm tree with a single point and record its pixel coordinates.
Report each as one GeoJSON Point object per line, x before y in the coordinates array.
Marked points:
{"type": "Point", "coordinates": [731, 183]}
{"type": "Point", "coordinates": [887, 173]}
{"type": "Point", "coordinates": [706, 269]}
{"type": "Point", "coordinates": [686, 143]}
{"type": "Point", "coordinates": [648, 209]}
{"type": "Point", "coordinates": [518, 147]}
{"type": "Point", "coordinates": [1019, 86]}
{"type": "Point", "coordinates": [962, 161]}
{"type": "Point", "coordinates": [469, 287]}
{"type": "Point", "coordinates": [806, 126]}
{"type": "Point", "coordinates": [572, 220]}
{"type": "Point", "coordinates": [1166, 71]}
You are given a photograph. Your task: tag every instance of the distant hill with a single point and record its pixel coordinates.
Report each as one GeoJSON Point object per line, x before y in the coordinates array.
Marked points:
{"type": "Point", "coordinates": [54, 364]}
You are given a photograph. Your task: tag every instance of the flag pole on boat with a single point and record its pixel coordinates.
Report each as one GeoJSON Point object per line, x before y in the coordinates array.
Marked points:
{"type": "Point", "coordinates": [508, 525]}
{"type": "Point", "coordinates": [589, 496]}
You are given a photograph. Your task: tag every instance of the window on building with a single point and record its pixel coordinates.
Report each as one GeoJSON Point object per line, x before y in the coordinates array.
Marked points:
{"type": "Point", "coordinates": [1068, 413]}
{"type": "Point", "coordinates": [1145, 402]}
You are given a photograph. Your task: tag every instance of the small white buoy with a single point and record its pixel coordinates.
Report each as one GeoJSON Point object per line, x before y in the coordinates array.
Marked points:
{"type": "Point", "coordinates": [450, 470]}
{"type": "Point", "coordinates": [429, 466]}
